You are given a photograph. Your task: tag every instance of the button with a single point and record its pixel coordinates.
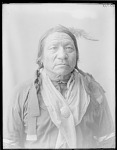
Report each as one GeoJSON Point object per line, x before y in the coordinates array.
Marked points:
{"type": "Point", "coordinates": [65, 112]}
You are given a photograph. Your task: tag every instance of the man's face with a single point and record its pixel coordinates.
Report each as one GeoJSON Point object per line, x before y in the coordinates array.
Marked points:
{"type": "Point", "coordinates": [59, 54]}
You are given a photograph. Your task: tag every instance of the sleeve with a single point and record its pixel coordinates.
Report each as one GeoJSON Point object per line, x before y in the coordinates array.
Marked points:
{"type": "Point", "coordinates": [103, 131]}
{"type": "Point", "coordinates": [105, 134]}
{"type": "Point", "coordinates": [13, 131]}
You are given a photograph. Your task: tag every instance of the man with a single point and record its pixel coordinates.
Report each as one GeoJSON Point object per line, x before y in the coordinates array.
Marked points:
{"type": "Point", "coordinates": [63, 107]}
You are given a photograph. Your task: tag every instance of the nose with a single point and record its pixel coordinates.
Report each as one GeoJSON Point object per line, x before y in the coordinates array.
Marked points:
{"type": "Point", "coordinates": [61, 53]}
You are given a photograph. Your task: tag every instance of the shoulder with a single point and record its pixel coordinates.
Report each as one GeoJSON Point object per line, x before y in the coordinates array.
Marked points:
{"type": "Point", "coordinates": [92, 87]}
{"type": "Point", "coordinates": [20, 92]}
{"type": "Point", "coordinates": [24, 85]}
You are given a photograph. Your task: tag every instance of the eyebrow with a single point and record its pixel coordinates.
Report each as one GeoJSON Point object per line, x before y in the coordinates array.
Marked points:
{"type": "Point", "coordinates": [69, 43]}
{"type": "Point", "coordinates": [57, 43]}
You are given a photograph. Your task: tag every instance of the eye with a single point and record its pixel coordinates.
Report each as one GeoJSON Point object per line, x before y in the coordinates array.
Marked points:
{"type": "Point", "coordinates": [69, 48]}
{"type": "Point", "coordinates": [53, 48]}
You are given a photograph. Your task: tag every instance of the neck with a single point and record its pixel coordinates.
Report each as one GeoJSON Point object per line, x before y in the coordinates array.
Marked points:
{"type": "Point", "coordinates": [57, 77]}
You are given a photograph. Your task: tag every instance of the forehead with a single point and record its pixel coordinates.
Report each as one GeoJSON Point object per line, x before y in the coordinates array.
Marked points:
{"type": "Point", "coordinates": [58, 37]}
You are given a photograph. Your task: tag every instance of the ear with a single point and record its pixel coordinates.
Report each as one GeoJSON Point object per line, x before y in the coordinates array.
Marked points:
{"type": "Point", "coordinates": [40, 63]}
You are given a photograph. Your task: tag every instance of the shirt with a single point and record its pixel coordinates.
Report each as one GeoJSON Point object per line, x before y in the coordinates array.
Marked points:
{"type": "Point", "coordinates": [28, 114]}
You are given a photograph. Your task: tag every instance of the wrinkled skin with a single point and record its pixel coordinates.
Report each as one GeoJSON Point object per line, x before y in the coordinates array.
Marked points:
{"type": "Point", "coordinates": [59, 56]}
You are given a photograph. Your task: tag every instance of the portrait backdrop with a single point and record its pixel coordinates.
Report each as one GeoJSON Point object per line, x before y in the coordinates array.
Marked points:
{"type": "Point", "coordinates": [24, 24]}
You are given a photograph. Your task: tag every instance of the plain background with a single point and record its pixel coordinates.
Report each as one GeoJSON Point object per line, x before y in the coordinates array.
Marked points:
{"type": "Point", "coordinates": [24, 24]}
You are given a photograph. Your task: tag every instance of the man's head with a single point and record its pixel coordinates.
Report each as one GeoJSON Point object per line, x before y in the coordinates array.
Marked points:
{"type": "Point", "coordinates": [58, 51]}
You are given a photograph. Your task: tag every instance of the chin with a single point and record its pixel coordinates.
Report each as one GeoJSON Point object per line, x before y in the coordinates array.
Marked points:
{"type": "Point", "coordinates": [63, 72]}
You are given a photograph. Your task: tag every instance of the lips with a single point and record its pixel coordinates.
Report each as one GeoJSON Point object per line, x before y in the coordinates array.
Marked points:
{"type": "Point", "coordinates": [62, 64]}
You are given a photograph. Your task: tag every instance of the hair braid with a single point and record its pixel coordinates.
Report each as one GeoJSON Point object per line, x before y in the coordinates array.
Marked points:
{"type": "Point", "coordinates": [38, 81]}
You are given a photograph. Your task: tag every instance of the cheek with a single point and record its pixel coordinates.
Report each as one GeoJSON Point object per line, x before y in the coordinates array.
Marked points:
{"type": "Point", "coordinates": [48, 60]}
{"type": "Point", "coordinates": [72, 59]}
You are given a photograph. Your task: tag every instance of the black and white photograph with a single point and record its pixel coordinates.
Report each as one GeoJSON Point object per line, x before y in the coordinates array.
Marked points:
{"type": "Point", "coordinates": [58, 75]}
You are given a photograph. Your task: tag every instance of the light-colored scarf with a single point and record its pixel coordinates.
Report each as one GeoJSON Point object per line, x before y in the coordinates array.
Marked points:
{"type": "Point", "coordinates": [67, 112]}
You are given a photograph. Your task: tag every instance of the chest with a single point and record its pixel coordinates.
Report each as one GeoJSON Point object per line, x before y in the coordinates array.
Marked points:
{"type": "Point", "coordinates": [47, 132]}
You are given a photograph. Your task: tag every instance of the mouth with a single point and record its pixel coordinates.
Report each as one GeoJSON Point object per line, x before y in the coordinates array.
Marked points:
{"type": "Point", "coordinates": [65, 66]}
{"type": "Point", "coordinates": [62, 65]}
